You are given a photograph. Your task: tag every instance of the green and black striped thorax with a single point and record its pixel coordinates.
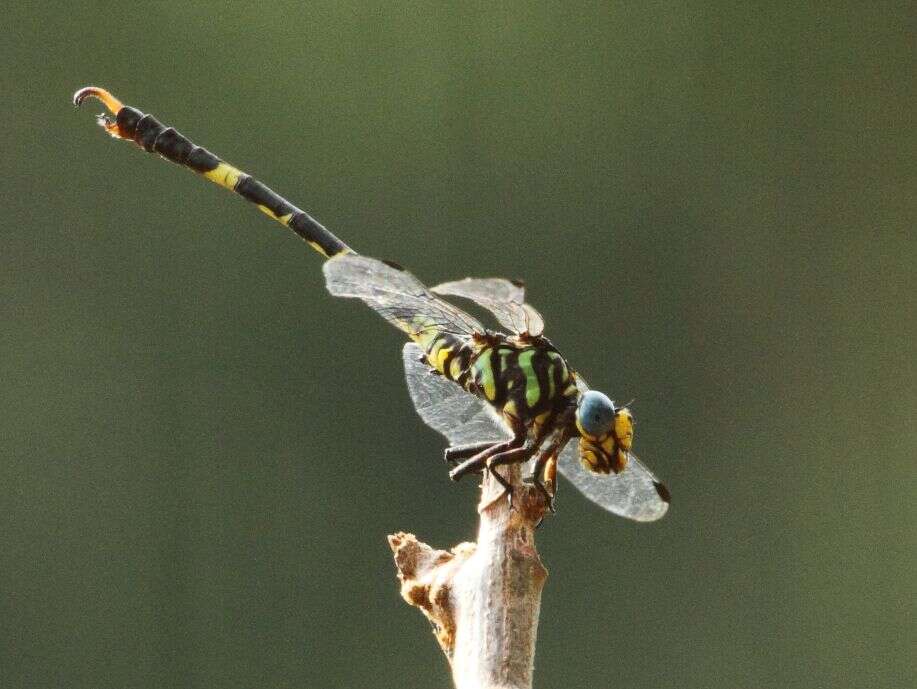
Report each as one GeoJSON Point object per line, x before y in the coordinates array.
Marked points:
{"type": "Point", "coordinates": [524, 378]}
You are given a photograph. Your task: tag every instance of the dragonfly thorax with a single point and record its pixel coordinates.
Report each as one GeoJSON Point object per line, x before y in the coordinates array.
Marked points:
{"type": "Point", "coordinates": [525, 380]}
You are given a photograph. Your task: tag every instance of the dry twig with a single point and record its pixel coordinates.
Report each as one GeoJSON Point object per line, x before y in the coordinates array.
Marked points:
{"type": "Point", "coordinates": [482, 598]}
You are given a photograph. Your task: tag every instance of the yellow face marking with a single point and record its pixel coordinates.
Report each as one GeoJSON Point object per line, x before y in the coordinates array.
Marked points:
{"type": "Point", "coordinates": [608, 444]}
{"type": "Point", "coordinates": [588, 459]}
{"type": "Point", "coordinates": [613, 449]}
{"type": "Point", "coordinates": [226, 176]}
{"type": "Point", "coordinates": [624, 428]}
{"type": "Point", "coordinates": [599, 457]}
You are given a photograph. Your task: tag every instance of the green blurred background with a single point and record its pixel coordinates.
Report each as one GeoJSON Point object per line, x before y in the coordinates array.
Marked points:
{"type": "Point", "coordinates": [201, 453]}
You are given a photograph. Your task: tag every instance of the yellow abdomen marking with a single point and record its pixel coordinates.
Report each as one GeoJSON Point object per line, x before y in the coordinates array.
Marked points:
{"type": "Point", "coordinates": [284, 219]}
{"type": "Point", "coordinates": [441, 357]}
{"type": "Point", "coordinates": [226, 176]}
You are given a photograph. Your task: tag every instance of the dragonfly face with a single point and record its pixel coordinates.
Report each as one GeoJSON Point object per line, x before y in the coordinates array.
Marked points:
{"type": "Point", "coordinates": [607, 434]}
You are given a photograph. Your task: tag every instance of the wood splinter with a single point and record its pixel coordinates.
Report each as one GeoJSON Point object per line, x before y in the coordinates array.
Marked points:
{"type": "Point", "coordinates": [482, 598]}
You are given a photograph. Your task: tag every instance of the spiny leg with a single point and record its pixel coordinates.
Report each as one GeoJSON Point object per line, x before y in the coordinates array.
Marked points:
{"type": "Point", "coordinates": [457, 453]}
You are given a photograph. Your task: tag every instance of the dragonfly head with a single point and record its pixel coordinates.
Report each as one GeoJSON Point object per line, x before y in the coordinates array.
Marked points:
{"type": "Point", "coordinates": [607, 433]}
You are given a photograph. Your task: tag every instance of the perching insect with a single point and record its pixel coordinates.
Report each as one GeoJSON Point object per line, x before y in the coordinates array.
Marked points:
{"type": "Point", "coordinates": [499, 398]}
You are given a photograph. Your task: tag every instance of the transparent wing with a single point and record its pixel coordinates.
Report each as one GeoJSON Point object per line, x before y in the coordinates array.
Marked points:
{"type": "Point", "coordinates": [447, 408]}
{"type": "Point", "coordinates": [504, 299]}
{"type": "Point", "coordinates": [634, 493]}
{"type": "Point", "coordinates": [396, 295]}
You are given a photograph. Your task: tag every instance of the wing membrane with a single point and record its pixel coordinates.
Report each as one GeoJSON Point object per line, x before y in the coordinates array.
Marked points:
{"type": "Point", "coordinates": [634, 493]}
{"type": "Point", "coordinates": [447, 408]}
{"type": "Point", "coordinates": [396, 295]}
{"type": "Point", "coordinates": [504, 299]}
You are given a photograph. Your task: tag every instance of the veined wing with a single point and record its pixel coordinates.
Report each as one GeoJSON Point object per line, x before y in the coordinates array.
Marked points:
{"type": "Point", "coordinates": [635, 493]}
{"type": "Point", "coordinates": [396, 295]}
{"type": "Point", "coordinates": [447, 408]}
{"type": "Point", "coordinates": [504, 299]}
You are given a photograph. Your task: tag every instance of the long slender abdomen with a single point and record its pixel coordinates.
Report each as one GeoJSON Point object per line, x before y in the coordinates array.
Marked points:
{"type": "Point", "coordinates": [154, 137]}
{"type": "Point", "coordinates": [448, 354]}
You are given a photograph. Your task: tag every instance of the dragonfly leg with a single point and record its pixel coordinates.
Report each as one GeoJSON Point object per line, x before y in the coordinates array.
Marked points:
{"type": "Point", "coordinates": [477, 463]}
{"type": "Point", "coordinates": [515, 455]}
{"type": "Point", "coordinates": [536, 479]}
{"type": "Point", "coordinates": [456, 453]}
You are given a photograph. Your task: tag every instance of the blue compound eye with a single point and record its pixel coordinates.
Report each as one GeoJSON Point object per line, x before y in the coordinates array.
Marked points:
{"type": "Point", "coordinates": [595, 414]}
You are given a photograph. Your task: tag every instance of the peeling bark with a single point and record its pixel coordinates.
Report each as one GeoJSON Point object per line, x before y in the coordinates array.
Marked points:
{"type": "Point", "coordinates": [482, 598]}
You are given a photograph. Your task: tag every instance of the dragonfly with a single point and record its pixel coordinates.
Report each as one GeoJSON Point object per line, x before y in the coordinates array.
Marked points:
{"type": "Point", "coordinates": [499, 396]}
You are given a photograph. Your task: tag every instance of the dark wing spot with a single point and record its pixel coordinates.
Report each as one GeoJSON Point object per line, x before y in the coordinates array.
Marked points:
{"type": "Point", "coordinates": [518, 283]}
{"type": "Point", "coordinates": [392, 264]}
{"type": "Point", "coordinates": [663, 492]}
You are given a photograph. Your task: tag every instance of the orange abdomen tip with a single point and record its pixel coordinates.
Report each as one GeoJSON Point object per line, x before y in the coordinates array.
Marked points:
{"type": "Point", "coordinates": [108, 100]}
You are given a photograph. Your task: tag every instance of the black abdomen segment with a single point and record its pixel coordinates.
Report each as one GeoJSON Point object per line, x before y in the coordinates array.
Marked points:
{"type": "Point", "coordinates": [154, 137]}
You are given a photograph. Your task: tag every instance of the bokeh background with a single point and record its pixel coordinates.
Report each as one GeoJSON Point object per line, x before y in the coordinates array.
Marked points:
{"type": "Point", "coordinates": [201, 453]}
